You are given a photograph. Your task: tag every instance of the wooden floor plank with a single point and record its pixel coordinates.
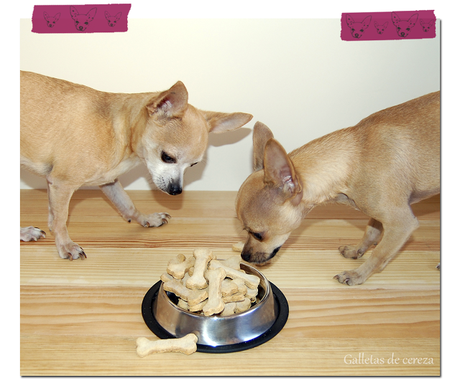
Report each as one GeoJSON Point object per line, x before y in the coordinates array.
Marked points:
{"type": "Point", "coordinates": [83, 317]}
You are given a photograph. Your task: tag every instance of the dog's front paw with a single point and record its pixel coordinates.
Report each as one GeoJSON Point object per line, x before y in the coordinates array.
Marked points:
{"type": "Point", "coordinates": [351, 252]}
{"type": "Point", "coordinates": [31, 234]}
{"type": "Point", "coordinates": [350, 278]}
{"type": "Point", "coordinates": [71, 251]}
{"type": "Point", "coordinates": [154, 220]}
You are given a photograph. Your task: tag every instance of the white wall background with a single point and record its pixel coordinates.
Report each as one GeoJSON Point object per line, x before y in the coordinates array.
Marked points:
{"type": "Point", "coordinates": [295, 75]}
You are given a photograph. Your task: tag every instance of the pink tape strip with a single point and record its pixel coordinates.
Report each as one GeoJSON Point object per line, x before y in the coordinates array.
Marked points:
{"type": "Point", "coordinates": [88, 18]}
{"type": "Point", "coordinates": [401, 25]}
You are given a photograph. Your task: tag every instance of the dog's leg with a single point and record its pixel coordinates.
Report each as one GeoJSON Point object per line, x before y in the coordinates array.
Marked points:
{"type": "Point", "coordinates": [397, 231]}
{"type": "Point", "coordinates": [115, 192]}
{"type": "Point", "coordinates": [50, 212]}
{"type": "Point", "coordinates": [59, 197]}
{"type": "Point", "coordinates": [370, 238]}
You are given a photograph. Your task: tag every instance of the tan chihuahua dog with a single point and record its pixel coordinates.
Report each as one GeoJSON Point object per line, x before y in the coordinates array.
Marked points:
{"type": "Point", "coordinates": [74, 136]}
{"type": "Point", "coordinates": [381, 166]}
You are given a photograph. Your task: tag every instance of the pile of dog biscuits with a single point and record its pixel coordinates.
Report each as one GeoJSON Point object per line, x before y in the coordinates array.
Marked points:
{"type": "Point", "coordinates": [207, 286]}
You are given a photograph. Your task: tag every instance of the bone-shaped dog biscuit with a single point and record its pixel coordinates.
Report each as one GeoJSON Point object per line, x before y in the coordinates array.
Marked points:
{"type": "Point", "coordinates": [185, 306]}
{"type": "Point", "coordinates": [236, 307]}
{"type": "Point", "coordinates": [249, 293]}
{"type": "Point", "coordinates": [193, 297]}
{"type": "Point", "coordinates": [182, 304]}
{"type": "Point", "coordinates": [233, 262]}
{"type": "Point", "coordinates": [185, 345]}
{"type": "Point", "coordinates": [237, 294]}
{"type": "Point", "coordinates": [165, 277]}
{"type": "Point", "coordinates": [180, 265]}
{"type": "Point", "coordinates": [178, 259]}
{"type": "Point", "coordinates": [252, 294]}
{"type": "Point", "coordinates": [233, 298]}
{"type": "Point", "coordinates": [243, 305]}
{"type": "Point", "coordinates": [242, 288]}
{"type": "Point", "coordinates": [202, 258]}
{"type": "Point", "coordinates": [197, 307]}
{"type": "Point", "coordinates": [229, 287]}
{"type": "Point", "coordinates": [229, 309]}
{"type": "Point", "coordinates": [215, 303]}
{"type": "Point", "coordinates": [235, 284]}
{"type": "Point", "coordinates": [238, 247]}
{"type": "Point", "coordinates": [252, 281]}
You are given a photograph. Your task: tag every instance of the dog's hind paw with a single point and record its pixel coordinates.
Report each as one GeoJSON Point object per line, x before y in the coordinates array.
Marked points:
{"type": "Point", "coordinates": [351, 252]}
{"type": "Point", "coordinates": [154, 220]}
{"type": "Point", "coordinates": [31, 234]}
{"type": "Point", "coordinates": [71, 251]}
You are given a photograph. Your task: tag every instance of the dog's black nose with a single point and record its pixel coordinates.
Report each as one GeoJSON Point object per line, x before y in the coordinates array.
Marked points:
{"type": "Point", "coordinates": [246, 256]}
{"type": "Point", "coordinates": [174, 189]}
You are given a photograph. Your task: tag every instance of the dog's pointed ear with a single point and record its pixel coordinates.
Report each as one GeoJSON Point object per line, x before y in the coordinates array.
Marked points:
{"type": "Point", "coordinates": [280, 173]}
{"type": "Point", "coordinates": [91, 14]}
{"type": "Point", "coordinates": [413, 19]}
{"type": "Point", "coordinates": [367, 21]}
{"type": "Point", "coordinates": [170, 103]}
{"type": "Point", "coordinates": [223, 122]}
{"type": "Point", "coordinates": [260, 136]}
{"type": "Point", "coordinates": [73, 12]}
{"type": "Point", "coordinates": [350, 20]}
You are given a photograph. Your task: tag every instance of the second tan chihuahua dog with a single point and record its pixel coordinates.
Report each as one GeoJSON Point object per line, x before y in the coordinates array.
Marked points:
{"type": "Point", "coordinates": [74, 135]}
{"type": "Point", "coordinates": [380, 166]}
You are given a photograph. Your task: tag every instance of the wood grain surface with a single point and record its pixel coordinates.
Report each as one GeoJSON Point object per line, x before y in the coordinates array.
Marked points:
{"type": "Point", "coordinates": [82, 318]}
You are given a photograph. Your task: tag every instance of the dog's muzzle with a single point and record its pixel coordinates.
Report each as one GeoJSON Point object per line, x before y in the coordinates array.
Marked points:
{"type": "Point", "coordinates": [259, 257]}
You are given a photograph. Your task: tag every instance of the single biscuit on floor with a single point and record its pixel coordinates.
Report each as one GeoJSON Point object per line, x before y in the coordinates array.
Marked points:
{"type": "Point", "coordinates": [185, 345]}
{"type": "Point", "coordinates": [238, 247]}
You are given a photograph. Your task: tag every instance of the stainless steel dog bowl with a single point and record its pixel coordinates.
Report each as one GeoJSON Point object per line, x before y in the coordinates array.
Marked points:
{"type": "Point", "coordinates": [236, 332]}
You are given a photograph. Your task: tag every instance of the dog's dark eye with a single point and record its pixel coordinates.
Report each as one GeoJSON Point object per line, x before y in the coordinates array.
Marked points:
{"type": "Point", "coordinates": [257, 236]}
{"type": "Point", "coordinates": [167, 159]}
